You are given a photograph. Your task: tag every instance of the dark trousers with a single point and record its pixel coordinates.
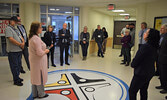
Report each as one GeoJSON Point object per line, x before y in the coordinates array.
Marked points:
{"type": "Point", "coordinates": [140, 45]}
{"type": "Point", "coordinates": [84, 49]}
{"type": "Point", "coordinates": [100, 48]}
{"type": "Point", "coordinates": [121, 51]}
{"type": "Point", "coordinates": [163, 75]}
{"type": "Point", "coordinates": [52, 55]}
{"type": "Point", "coordinates": [62, 47]}
{"type": "Point", "coordinates": [127, 55]}
{"type": "Point", "coordinates": [139, 83]}
{"type": "Point", "coordinates": [26, 57]}
{"type": "Point", "coordinates": [15, 64]}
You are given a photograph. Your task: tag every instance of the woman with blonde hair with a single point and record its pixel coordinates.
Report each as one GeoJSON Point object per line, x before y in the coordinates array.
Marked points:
{"type": "Point", "coordinates": [50, 39]}
{"type": "Point", "coordinates": [84, 42]}
{"type": "Point", "coordinates": [38, 61]}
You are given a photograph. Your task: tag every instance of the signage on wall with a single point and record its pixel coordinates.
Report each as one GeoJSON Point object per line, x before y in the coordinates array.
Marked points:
{"type": "Point", "coordinates": [111, 6]}
{"type": "Point", "coordinates": [3, 25]}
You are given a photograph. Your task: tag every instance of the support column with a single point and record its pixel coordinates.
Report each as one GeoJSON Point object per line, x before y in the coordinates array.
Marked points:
{"type": "Point", "coordinates": [83, 22]}
{"type": "Point", "coordinates": [29, 12]}
{"type": "Point", "coordinates": [140, 17]}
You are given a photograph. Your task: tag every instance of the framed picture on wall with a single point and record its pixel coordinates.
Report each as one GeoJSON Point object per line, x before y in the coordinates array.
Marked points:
{"type": "Point", "coordinates": [158, 21]}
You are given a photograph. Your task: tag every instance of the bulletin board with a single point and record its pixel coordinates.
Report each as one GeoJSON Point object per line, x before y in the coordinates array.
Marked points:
{"type": "Point", "coordinates": [158, 21]}
{"type": "Point", "coordinates": [3, 24]}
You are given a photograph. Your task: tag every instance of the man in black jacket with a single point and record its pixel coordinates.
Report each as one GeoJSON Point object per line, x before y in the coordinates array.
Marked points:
{"type": "Point", "coordinates": [64, 42]}
{"type": "Point", "coordinates": [50, 39]}
{"type": "Point", "coordinates": [99, 37]}
{"type": "Point", "coordinates": [22, 30]}
{"type": "Point", "coordinates": [163, 59]}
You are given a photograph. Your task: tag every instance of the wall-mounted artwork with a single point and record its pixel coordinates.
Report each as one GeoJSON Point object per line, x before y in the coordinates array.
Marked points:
{"type": "Point", "coordinates": [158, 21]}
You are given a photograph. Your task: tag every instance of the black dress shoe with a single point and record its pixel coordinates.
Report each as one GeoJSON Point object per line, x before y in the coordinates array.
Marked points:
{"type": "Point", "coordinates": [159, 87]}
{"type": "Point", "coordinates": [122, 60]}
{"type": "Point", "coordinates": [46, 95]}
{"type": "Point", "coordinates": [35, 97]}
{"type": "Point", "coordinates": [163, 91]}
{"type": "Point", "coordinates": [67, 63]}
{"type": "Point", "coordinates": [166, 97]}
{"type": "Point", "coordinates": [53, 65]}
{"type": "Point", "coordinates": [127, 65]}
{"type": "Point", "coordinates": [61, 64]}
{"type": "Point", "coordinates": [120, 55]}
{"type": "Point", "coordinates": [98, 55]}
{"type": "Point", "coordinates": [18, 83]}
{"type": "Point", "coordinates": [22, 71]}
{"type": "Point", "coordinates": [21, 79]}
{"type": "Point", "coordinates": [102, 56]}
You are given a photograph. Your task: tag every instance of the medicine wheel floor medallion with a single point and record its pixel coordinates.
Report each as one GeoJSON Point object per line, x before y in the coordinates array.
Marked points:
{"type": "Point", "coordinates": [81, 84]}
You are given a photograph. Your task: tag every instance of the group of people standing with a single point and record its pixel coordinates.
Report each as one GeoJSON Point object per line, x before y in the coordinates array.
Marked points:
{"type": "Point", "coordinates": [100, 36]}
{"type": "Point", "coordinates": [17, 44]}
{"type": "Point", "coordinates": [151, 54]}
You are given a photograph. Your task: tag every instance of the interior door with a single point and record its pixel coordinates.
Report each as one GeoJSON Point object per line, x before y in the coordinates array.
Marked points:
{"type": "Point", "coordinates": [118, 26]}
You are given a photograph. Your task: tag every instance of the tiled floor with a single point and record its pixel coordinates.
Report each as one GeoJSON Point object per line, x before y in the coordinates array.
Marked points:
{"type": "Point", "coordinates": [110, 64]}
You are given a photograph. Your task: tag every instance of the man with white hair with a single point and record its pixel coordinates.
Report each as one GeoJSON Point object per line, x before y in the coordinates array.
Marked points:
{"type": "Point", "coordinates": [162, 59]}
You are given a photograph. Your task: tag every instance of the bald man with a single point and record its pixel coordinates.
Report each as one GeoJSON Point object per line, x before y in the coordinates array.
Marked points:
{"type": "Point", "coordinates": [64, 42]}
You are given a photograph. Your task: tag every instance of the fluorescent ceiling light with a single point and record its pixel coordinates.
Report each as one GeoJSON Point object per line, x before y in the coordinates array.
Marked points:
{"type": "Point", "coordinates": [124, 14]}
{"type": "Point", "coordinates": [68, 12]}
{"type": "Point", "coordinates": [52, 9]}
{"type": "Point", "coordinates": [118, 10]}
{"type": "Point", "coordinates": [57, 9]}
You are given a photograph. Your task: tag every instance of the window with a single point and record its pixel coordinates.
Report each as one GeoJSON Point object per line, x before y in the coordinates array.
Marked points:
{"type": "Point", "coordinates": [7, 10]}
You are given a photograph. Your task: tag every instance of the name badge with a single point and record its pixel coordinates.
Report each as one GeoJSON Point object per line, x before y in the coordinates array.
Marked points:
{"type": "Point", "coordinates": [84, 39]}
{"type": "Point", "coordinates": [99, 36]}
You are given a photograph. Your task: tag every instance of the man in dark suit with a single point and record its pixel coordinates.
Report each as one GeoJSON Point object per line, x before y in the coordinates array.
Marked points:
{"type": "Point", "coordinates": [50, 39]}
{"type": "Point", "coordinates": [22, 30]}
{"type": "Point", "coordinates": [163, 59]}
{"type": "Point", "coordinates": [64, 42]}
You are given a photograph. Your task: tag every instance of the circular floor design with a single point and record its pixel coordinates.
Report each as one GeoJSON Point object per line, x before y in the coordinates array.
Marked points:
{"type": "Point", "coordinates": [81, 84]}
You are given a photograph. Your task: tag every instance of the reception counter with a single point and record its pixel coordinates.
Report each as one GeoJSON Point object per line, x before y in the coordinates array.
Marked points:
{"type": "Point", "coordinates": [93, 48]}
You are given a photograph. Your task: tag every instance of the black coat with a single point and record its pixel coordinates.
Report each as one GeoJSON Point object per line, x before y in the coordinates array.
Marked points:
{"type": "Point", "coordinates": [67, 37]}
{"type": "Point", "coordinates": [163, 50]}
{"type": "Point", "coordinates": [26, 42]}
{"type": "Point", "coordinates": [143, 62]}
{"type": "Point", "coordinates": [49, 38]}
{"type": "Point", "coordinates": [98, 35]}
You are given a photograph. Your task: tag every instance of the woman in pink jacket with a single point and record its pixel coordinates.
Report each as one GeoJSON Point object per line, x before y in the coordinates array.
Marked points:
{"type": "Point", "coordinates": [38, 61]}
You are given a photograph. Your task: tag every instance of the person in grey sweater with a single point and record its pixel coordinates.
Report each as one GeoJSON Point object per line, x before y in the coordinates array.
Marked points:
{"type": "Point", "coordinates": [84, 42]}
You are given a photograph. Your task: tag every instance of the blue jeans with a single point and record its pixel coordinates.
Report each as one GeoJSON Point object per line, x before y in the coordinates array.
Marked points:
{"type": "Point", "coordinates": [100, 48]}
{"type": "Point", "coordinates": [15, 64]}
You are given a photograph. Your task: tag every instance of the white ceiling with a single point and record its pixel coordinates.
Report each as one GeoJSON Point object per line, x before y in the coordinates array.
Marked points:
{"type": "Point", "coordinates": [98, 5]}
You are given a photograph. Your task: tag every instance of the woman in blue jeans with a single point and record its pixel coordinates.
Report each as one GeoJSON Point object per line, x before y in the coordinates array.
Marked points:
{"type": "Point", "coordinates": [84, 42]}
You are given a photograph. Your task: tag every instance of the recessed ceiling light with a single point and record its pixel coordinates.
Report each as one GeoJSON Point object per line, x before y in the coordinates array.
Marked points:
{"type": "Point", "coordinates": [118, 10]}
{"type": "Point", "coordinates": [76, 8]}
{"type": "Point", "coordinates": [52, 9]}
{"type": "Point", "coordinates": [124, 14]}
{"type": "Point", "coordinates": [68, 12]}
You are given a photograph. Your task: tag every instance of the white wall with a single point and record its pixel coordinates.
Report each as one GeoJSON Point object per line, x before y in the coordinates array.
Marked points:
{"type": "Point", "coordinates": [147, 12]}
{"type": "Point", "coordinates": [155, 9]}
